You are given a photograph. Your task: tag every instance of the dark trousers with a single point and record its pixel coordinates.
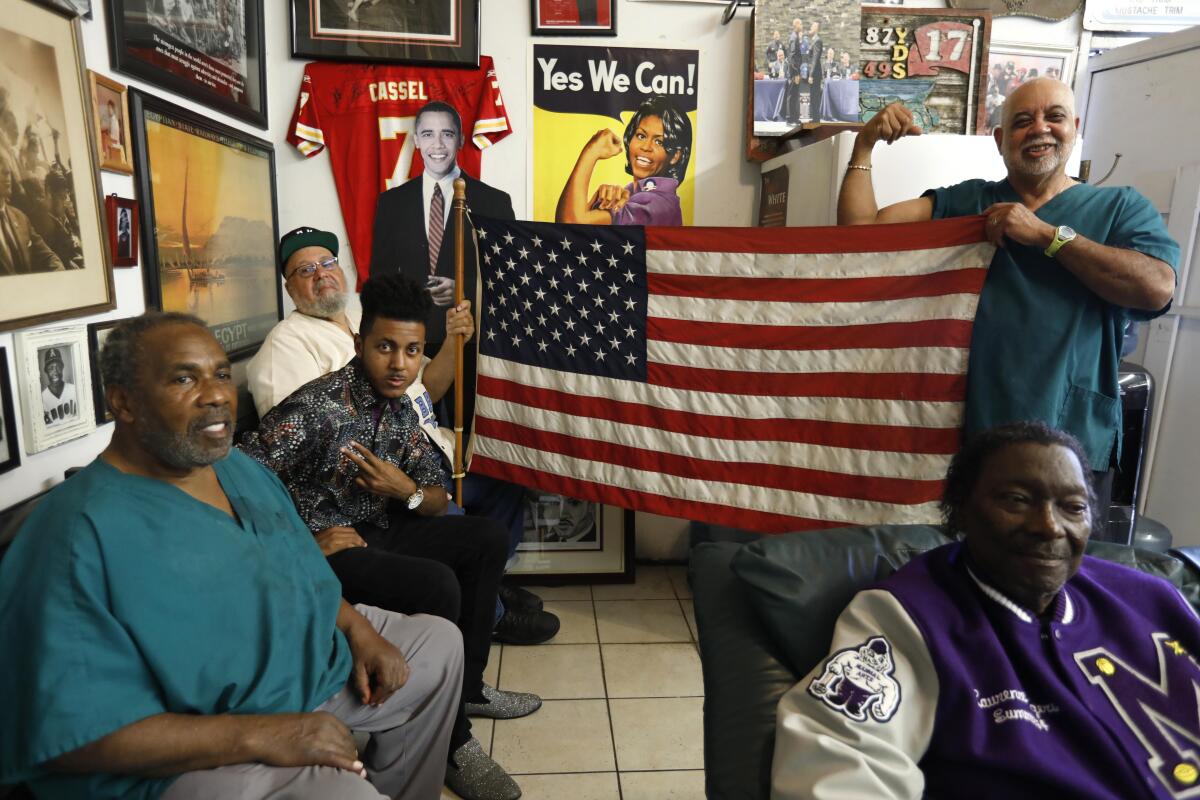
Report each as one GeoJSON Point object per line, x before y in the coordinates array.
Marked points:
{"type": "Point", "coordinates": [448, 566]}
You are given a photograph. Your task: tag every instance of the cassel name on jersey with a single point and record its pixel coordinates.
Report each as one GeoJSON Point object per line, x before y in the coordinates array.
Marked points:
{"type": "Point", "coordinates": [398, 90]}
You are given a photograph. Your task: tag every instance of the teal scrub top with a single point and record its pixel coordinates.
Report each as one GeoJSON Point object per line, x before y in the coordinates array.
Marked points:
{"type": "Point", "coordinates": [1045, 347]}
{"type": "Point", "coordinates": [123, 597]}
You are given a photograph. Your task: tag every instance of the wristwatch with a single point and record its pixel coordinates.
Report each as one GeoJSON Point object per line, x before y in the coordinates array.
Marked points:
{"type": "Point", "coordinates": [415, 499]}
{"type": "Point", "coordinates": [1062, 235]}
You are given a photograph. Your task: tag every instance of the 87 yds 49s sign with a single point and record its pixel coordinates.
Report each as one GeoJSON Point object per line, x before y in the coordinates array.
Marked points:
{"type": "Point", "coordinates": [931, 61]}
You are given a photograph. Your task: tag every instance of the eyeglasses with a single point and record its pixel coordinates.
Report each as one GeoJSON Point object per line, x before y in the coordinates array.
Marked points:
{"type": "Point", "coordinates": [310, 269]}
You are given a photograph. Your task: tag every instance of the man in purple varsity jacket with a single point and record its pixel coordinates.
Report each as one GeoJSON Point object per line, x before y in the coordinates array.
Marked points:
{"type": "Point", "coordinates": [1005, 665]}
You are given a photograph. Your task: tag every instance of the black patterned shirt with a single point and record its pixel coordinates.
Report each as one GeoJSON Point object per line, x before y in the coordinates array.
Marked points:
{"type": "Point", "coordinates": [301, 439]}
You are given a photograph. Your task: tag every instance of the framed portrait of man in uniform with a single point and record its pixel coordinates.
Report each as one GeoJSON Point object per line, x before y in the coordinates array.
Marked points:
{"type": "Point", "coordinates": [56, 387]}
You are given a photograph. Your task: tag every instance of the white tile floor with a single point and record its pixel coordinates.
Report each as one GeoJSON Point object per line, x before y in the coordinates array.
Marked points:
{"type": "Point", "coordinates": [623, 696]}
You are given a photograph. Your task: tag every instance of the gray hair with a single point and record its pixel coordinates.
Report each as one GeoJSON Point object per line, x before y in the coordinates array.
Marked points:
{"type": "Point", "coordinates": [122, 352]}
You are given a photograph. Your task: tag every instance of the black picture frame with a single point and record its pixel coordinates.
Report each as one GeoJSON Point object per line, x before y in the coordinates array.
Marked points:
{"type": "Point", "coordinates": [543, 23]}
{"type": "Point", "coordinates": [234, 271]}
{"type": "Point", "coordinates": [612, 561]}
{"type": "Point", "coordinates": [191, 58]}
{"type": "Point", "coordinates": [95, 343]}
{"type": "Point", "coordinates": [321, 29]}
{"type": "Point", "coordinates": [10, 453]}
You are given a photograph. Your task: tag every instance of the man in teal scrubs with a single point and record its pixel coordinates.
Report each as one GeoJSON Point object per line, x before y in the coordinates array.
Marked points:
{"type": "Point", "coordinates": [169, 628]}
{"type": "Point", "coordinates": [1074, 263]}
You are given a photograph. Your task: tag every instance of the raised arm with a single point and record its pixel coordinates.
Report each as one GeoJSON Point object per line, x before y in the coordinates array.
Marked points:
{"type": "Point", "coordinates": [856, 202]}
{"type": "Point", "coordinates": [574, 204]}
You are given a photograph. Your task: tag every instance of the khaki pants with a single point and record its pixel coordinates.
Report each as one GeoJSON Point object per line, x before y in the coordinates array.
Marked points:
{"type": "Point", "coordinates": [409, 734]}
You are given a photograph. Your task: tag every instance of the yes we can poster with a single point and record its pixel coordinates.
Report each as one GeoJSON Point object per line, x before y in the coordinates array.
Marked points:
{"type": "Point", "coordinates": [614, 134]}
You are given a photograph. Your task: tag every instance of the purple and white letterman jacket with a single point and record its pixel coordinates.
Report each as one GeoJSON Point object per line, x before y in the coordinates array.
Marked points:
{"type": "Point", "coordinates": [938, 685]}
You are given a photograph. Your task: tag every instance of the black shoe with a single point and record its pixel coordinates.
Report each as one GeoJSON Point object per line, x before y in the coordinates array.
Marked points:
{"type": "Point", "coordinates": [525, 627]}
{"type": "Point", "coordinates": [517, 599]}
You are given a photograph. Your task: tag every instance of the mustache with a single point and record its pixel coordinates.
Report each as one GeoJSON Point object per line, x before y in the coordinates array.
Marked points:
{"type": "Point", "coordinates": [1039, 142]}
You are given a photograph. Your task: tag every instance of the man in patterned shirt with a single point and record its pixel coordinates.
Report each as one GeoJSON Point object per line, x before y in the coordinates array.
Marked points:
{"type": "Point", "coordinates": [370, 485]}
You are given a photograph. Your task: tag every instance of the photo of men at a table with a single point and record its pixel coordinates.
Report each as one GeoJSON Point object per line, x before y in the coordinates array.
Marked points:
{"type": "Point", "coordinates": [806, 60]}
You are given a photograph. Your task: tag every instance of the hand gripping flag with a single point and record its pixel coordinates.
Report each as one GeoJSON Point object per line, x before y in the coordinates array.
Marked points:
{"type": "Point", "coordinates": [770, 379]}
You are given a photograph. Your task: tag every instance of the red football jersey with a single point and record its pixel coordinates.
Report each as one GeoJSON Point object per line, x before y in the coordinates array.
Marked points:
{"type": "Point", "coordinates": [364, 114]}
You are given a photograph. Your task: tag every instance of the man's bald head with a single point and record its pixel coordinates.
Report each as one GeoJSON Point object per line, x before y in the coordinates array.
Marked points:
{"type": "Point", "coordinates": [1039, 90]}
{"type": "Point", "coordinates": [1037, 130]}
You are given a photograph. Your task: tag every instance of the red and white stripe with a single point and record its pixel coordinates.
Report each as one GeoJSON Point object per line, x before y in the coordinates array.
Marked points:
{"type": "Point", "coordinates": [796, 378]}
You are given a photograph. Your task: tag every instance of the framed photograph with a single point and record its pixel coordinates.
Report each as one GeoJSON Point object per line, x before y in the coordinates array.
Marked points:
{"type": "Point", "coordinates": [804, 65]}
{"type": "Point", "coordinates": [97, 332]}
{"type": "Point", "coordinates": [573, 541]}
{"type": "Point", "coordinates": [110, 115]}
{"type": "Point", "coordinates": [211, 52]}
{"type": "Point", "coordinates": [930, 59]}
{"type": "Point", "coordinates": [122, 215]}
{"type": "Point", "coordinates": [10, 453]}
{"type": "Point", "coordinates": [574, 17]}
{"type": "Point", "coordinates": [53, 259]}
{"type": "Point", "coordinates": [433, 32]}
{"type": "Point", "coordinates": [76, 8]}
{"type": "Point", "coordinates": [1012, 63]}
{"type": "Point", "coordinates": [55, 386]}
{"type": "Point", "coordinates": [209, 221]}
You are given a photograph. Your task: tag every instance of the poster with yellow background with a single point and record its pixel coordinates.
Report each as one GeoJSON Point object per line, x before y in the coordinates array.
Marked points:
{"type": "Point", "coordinates": [614, 131]}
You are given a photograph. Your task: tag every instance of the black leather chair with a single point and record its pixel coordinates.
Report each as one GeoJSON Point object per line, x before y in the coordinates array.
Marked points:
{"type": "Point", "coordinates": [765, 613]}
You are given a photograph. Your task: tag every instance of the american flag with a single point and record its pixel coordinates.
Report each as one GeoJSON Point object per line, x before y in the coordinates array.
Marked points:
{"type": "Point", "coordinates": [770, 379]}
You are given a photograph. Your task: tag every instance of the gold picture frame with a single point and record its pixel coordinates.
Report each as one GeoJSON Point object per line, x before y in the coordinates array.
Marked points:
{"type": "Point", "coordinates": [47, 110]}
{"type": "Point", "coordinates": [110, 123]}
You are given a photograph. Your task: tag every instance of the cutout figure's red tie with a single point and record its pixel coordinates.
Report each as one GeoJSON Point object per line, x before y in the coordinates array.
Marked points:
{"type": "Point", "coordinates": [437, 226]}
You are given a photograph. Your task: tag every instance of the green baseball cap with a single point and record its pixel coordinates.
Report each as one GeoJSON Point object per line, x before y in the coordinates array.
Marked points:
{"type": "Point", "coordinates": [299, 238]}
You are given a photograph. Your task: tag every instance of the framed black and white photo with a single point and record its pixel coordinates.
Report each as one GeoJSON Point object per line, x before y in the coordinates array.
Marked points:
{"type": "Point", "coordinates": [10, 453]}
{"type": "Point", "coordinates": [573, 541]}
{"type": "Point", "coordinates": [211, 52]}
{"type": "Point", "coordinates": [209, 224]}
{"type": "Point", "coordinates": [434, 32]}
{"type": "Point", "coordinates": [97, 334]}
{"type": "Point", "coordinates": [122, 213]}
{"type": "Point", "coordinates": [55, 386]}
{"type": "Point", "coordinates": [573, 17]}
{"type": "Point", "coordinates": [53, 260]}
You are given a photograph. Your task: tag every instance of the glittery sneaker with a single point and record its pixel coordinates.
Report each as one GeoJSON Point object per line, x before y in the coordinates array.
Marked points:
{"type": "Point", "coordinates": [473, 775]}
{"type": "Point", "coordinates": [504, 705]}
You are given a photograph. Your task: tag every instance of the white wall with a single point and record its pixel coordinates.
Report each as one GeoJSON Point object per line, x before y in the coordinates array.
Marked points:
{"type": "Point", "coordinates": [726, 184]}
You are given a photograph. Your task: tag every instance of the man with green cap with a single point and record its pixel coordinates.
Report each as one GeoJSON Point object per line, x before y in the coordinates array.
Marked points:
{"type": "Point", "coordinates": [318, 337]}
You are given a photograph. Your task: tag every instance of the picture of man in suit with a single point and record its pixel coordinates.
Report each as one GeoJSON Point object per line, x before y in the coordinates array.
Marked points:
{"type": "Point", "coordinates": [59, 403]}
{"type": "Point", "coordinates": [414, 229]}
{"type": "Point", "coordinates": [22, 249]}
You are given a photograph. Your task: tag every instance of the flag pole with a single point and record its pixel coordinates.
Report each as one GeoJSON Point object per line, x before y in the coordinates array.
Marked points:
{"type": "Point", "coordinates": [460, 224]}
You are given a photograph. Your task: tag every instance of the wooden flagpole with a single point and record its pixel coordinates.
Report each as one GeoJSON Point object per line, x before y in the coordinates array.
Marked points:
{"type": "Point", "coordinates": [460, 225]}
